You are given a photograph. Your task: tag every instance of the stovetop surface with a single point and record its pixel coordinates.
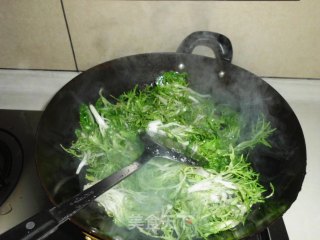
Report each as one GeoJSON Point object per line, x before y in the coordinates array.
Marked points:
{"type": "Point", "coordinates": [28, 197]}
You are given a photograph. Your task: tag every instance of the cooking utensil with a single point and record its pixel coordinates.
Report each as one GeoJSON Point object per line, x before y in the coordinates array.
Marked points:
{"type": "Point", "coordinates": [284, 164]}
{"type": "Point", "coordinates": [46, 222]}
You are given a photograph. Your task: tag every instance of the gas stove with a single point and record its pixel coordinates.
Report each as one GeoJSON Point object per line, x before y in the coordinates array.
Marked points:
{"type": "Point", "coordinates": [20, 190]}
{"type": "Point", "coordinates": [26, 94]}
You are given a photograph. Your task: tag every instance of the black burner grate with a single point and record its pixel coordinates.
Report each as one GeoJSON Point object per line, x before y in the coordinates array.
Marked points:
{"type": "Point", "coordinates": [11, 163]}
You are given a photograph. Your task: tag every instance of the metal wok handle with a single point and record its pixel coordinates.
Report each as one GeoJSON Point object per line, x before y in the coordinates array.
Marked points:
{"type": "Point", "coordinates": [220, 44]}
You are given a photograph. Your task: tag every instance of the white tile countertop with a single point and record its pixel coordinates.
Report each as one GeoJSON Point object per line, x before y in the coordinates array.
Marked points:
{"type": "Point", "coordinates": [31, 90]}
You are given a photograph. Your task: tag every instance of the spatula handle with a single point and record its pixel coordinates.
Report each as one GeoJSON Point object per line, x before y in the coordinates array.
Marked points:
{"type": "Point", "coordinates": [38, 226]}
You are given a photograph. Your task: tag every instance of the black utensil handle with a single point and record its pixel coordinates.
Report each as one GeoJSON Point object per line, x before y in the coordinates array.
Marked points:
{"type": "Point", "coordinates": [220, 44]}
{"type": "Point", "coordinates": [38, 226]}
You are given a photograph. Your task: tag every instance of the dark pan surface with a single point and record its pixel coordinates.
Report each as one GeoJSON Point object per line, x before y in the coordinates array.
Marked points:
{"type": "Point", "coordinates": [284, 165]}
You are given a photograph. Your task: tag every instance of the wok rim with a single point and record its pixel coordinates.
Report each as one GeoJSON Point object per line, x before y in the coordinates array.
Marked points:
{"type": "Point", "coordinates": [70, 84]}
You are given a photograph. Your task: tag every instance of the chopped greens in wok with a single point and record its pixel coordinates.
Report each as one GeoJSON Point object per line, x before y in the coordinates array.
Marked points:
{"type": "Point", "coordinates": [167, 199]}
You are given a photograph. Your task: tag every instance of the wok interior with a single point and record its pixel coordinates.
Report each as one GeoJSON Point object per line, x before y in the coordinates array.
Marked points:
{"type": "Point", "coordinates": [284, 164]}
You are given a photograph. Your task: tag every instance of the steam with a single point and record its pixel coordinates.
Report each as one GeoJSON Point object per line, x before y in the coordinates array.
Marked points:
{"type": "Point", "coordinates": [252, 98]}
{"type": "Point", "coordinates": [238, 88]}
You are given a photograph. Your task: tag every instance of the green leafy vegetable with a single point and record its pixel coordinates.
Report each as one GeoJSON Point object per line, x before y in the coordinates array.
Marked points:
{"type": "Point", "coordinates": [166, 199]}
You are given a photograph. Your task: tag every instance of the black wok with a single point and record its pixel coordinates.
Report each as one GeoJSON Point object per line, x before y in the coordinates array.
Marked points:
{"type": "Point", "coordinates": [284, 164]}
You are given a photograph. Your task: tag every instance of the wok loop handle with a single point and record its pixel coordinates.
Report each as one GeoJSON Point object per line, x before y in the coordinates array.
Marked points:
{"type": "Point", "coordinates": [220, 44]}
